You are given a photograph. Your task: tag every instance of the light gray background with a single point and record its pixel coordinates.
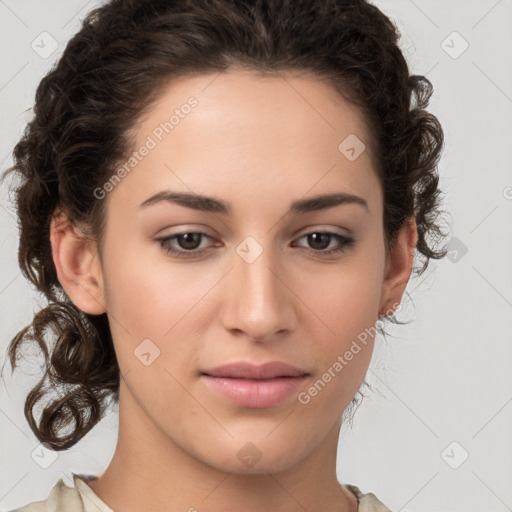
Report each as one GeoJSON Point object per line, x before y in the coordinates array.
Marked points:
{"type": "Point", "coordinates": [446, 377]}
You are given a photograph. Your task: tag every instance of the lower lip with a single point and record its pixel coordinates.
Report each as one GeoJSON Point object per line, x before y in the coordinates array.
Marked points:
{"type": "Point", "coordinates": [257, 394]}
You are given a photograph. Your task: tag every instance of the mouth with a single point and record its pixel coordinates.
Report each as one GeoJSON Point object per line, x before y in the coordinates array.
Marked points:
{"type": "Point", "coordinates": [258, 387]}
{"type": "Point", "coordinates": [255, 393]}
{"type": "Point", "coordinates": [246, 370]}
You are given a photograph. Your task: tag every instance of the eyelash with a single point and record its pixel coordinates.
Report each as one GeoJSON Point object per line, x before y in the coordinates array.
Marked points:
{"type": "Point", "coordinates": [344, 241]}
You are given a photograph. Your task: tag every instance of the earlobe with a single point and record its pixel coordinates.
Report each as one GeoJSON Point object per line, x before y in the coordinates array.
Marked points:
{"type": "Point", "coordinates": [399, 268]}
{"type": "Point", "coordinates": [77, 264]}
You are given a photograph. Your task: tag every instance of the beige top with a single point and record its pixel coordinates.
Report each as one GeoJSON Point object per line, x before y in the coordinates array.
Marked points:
{"type": "Point", "coordinates": [81, 498]}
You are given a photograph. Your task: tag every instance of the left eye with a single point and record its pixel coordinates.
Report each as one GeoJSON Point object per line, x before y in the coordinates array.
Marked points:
{"type": "Point", "coordinates": [188, 243]}
{"type": "Point", "coordinates": [321, 237]}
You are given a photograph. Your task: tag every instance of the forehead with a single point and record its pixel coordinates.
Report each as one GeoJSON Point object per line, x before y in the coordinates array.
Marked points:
{"type": "Point", "coordinates": [239, 99]}
{"type": "Point", "coordinates": [243, 129]}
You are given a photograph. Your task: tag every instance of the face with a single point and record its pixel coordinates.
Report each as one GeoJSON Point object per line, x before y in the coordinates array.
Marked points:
{"type": "Point", "coordinates": [255, 280]}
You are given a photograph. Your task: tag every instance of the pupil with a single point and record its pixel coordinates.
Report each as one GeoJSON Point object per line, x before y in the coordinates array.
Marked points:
{"type": "Point", "coordinates": [314, 237]}
{"type": "Point", "coordinates": [193, 237]}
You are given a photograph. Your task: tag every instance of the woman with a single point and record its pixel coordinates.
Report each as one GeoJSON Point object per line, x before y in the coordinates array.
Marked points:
{"type": "Point", "coordinates": [220, 201]}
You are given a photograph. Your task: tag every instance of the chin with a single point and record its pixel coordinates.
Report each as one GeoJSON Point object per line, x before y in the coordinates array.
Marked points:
{"type": "Point", "coordinates": [250, 459]}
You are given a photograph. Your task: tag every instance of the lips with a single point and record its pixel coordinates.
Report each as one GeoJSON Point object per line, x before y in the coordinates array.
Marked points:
{"type": "Point", "coordinates": [255, 386]}
{"type": "Point", "coordinates": [243, 370]}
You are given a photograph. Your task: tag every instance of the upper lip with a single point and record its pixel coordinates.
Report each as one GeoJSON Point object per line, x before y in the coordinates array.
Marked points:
{"type": "Point", "coordinates": [243, 370]}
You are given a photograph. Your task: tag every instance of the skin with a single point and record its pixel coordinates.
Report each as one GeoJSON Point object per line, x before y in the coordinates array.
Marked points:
{"type": "Point", "coordinates": [258, 143]}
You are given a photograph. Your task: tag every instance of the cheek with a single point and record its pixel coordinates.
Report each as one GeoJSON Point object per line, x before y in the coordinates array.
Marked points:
{"type": "Point", "coordinates": [346, 296]}
{"type": "Point", "coordinates": [343, 350]}
{"type": "Point", "coordinates": [151, 298]}
{"type": "Point", "coordinates": [146, 293]}
{"type": "Point", "coordinates": [344, 303]}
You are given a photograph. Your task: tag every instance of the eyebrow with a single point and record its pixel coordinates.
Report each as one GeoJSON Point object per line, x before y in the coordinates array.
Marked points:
{"type": "Point", "coordinates": [214, 205]}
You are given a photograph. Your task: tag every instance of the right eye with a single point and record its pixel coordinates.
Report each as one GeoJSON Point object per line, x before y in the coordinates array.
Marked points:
{"type": "Point", "coordinates": [188, 243]}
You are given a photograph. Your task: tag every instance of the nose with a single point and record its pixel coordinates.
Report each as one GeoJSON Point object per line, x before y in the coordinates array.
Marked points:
{"type": "Point", "coordinates": [259, 301]}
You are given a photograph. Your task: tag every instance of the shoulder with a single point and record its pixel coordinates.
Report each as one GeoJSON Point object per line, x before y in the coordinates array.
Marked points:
{"type": "Point", "coordinates": [368, 502]}
{"type": "Point", "coordinates": [62, 498]}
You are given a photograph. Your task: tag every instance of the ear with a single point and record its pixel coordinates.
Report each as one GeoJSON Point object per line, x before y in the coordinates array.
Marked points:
{"type": "Point", "coordinates": [77, 264]}
{"type": "Point", "coordinates": [398, 268]}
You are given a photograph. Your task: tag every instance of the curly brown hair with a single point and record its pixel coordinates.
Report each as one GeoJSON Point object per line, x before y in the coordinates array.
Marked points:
{"type": "Point", "coordinates": [114, 69]}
